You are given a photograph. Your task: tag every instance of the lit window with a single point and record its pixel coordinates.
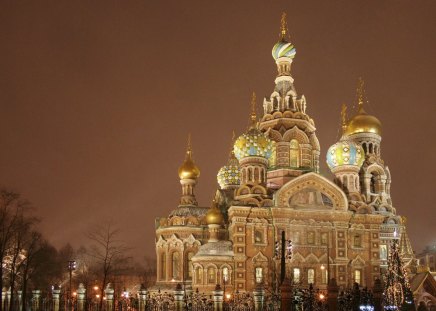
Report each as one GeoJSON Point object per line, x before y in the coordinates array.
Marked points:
{"type": "Point", "coordinates": [198, 276]}
{"type": "Point", "coordinates": [259, 275]}
{"type": "Point", "coordinates": [211, 276]}
{"type": "Point", "coordinates": [324, 275]}
{"type": "Point", "coordinates": [357, 276]}
{"type": "Point", "coordinates": [311, 276]}
{"type": "Point", "coordinates": [225, 274]}
{"type": "Point", "coordinates": [296, 275]}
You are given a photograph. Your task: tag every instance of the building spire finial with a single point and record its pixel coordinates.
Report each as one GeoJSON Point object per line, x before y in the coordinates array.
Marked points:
{"type": "Point", "coordinates": [283, 27]}
{"type": "Point", "coordinates": [360, 93]}
{"type": "Point", "coordinates": [344, 117]}
{"type": "Point", "coordinates": [253, 116]}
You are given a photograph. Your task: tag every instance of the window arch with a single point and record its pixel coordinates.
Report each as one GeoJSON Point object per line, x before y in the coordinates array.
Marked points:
{"type": "Point", "coordinates": [198, 275]}
{"type": "Point", "coordinates": [176, 265]}
{"type": "Point", "coordinates": [294, 153]}
{"type": "Point", "coordinates": [211, 275]}
{"type": "Point", "coordinates": [163, 266]}
{"type": "Point", "coordinates": [188, 269]}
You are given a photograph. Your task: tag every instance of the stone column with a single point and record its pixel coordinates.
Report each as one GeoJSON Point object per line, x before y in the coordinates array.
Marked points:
{"type": "Point", "coordinates": [56, 293]}
{"type": "Point", "coordinates": [218, 296]}
{"type": "Point", "coordinates": [332, 295]}
{"type": "Point", "coordinates": [109, 293]}
{"type": "Point", "coordinates": [3, 307]}
{"type": "Point", "coordinates": [178, 297]}
{"type": "Point", "coordinates": [81, 297]}
{"type": "Point", "coordinates": [286, 294]}
{"type": "Point", "coordinates": [259, 297]}
{"type": "Point", "coordinates": [377, 292]}
{"type": "Point", "coordinates": [8, 298]}
{"type": "Point", "coordinates": [20, 299]}
{"type": "Point", "coordinates": [35, 299]}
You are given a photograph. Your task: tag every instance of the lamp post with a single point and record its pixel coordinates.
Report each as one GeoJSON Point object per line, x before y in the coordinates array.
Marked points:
{"type": "Point", "coordinates": [283, 250]}
{"type": "Point", "coordinates": [71, 267]}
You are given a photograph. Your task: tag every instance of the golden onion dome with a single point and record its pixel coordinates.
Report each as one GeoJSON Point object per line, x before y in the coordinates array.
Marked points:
{"type": "Point", "coordinates": [363, 123]}
{"type": "Point", "coordinates": [214, 215]}
{"type": "Point", "coordinates": [188, 170]}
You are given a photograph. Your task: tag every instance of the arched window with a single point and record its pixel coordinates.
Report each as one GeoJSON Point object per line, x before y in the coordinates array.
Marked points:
{"type": "Point", "coordinates": [176, 265]}
{"type": "Point", "coordinates": [256, 175]}
{"type": "Point", "coordinates": [198, 275]}
{"type": "Point", "coordinates": [259, 274]}
{"type": "Point", "coordinates": [211, 276]}
{"type": "Point", "coordinates": [294, 153]}
{"type": "Point", "coordinates": [189, 265]}
{"type": "Point", "coordinates": [358, 276]}
{"type": "Point", "coordinates": [225, 274]}
{"type": "Point", "coordinates": [163, 266]}
{"type": "Point", "coordinates": [296, 273]}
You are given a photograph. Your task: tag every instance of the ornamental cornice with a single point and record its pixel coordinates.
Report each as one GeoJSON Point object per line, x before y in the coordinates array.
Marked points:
{"type": "Point", "coordinates": [280, 213]}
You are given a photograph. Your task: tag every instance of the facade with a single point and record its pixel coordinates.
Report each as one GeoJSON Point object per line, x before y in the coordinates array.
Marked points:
{"type": "Point", "coordinates": [271, 184]}
{"type": "Point", "coordinates": [427, 258]}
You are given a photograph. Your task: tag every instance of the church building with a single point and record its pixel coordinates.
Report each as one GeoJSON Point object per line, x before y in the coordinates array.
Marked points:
{"type": "Point", "coordinates": [271, 184]}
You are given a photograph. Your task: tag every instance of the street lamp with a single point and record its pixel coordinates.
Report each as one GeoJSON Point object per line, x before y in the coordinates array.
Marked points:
{"type": "Point", "coordinates": [225, 279]}
{"type": "Point", "coordinates": [71, 267]}
{"type": "Point", "coordinates": [283, 250]}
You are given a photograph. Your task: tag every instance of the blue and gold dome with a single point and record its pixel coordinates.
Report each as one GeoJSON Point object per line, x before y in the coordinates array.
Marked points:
{"type": "Point", "coordinates": [228, 175]}
{"type": "Point", "coordinates": [283, 49]}
{"type": "Point", "coordinates": [253, 143]}
{"type": "Point", "coordinates": [345, 152]}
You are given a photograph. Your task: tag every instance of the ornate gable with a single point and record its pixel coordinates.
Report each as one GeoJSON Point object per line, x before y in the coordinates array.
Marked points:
{"type": "Point", "coordinates": [311, 191]}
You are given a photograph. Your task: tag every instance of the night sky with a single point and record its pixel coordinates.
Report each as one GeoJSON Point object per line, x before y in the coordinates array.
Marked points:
{"type": "Point", "coordinates": [98, 97]}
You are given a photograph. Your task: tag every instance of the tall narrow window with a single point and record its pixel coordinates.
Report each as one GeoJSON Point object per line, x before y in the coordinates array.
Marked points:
{"type": "Point", "coordinates": [211, 276]}
{"type": "Point", "coordinates": [296, 275]}
{"type": "Point", "coordinates": [294, 153]}
{"type": "Point", "coordinates": [189, 265]}
{"type": "Point", "coordinates": [163, 266]}
{"type": "Point", "coordinates": [357, 240]}
{"type": "Point", "coordinates": [176, 265]}
{"type": "Point", "coordinates": [225, 274]}
{"type": "Point", "coordinates": [311, 276]}
{"type": "Point", "coordinates": [358, 276]}
{"type": "Point", "coordinates": [259, 275]}
{"type": "Point", "coordinates": [324, 275]}
{"type": "Point", "coordinates": [258, 236]}
{"type": "Point", "coordinates": [199, 275]}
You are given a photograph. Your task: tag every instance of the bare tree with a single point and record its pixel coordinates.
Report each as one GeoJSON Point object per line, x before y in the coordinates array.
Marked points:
{"type": "Point", "coordinates": [12, 208]}
{"type": "Point", "coordinates": [108, 252]}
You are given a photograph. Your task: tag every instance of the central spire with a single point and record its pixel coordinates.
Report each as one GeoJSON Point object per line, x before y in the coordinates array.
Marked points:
{"type": "Point", "coordinates": [283, 27]}
{"type": "Point", "coordinates": [253, 116]}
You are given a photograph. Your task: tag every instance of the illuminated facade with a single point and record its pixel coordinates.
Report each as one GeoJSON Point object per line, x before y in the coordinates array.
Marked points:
{"type": "Point", "coordinates": [339, 229]}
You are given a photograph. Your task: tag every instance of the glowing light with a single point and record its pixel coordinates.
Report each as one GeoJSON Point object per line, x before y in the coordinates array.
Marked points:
{"type": "Point", "coordinates": [228, 296]}
{"type": "Point", "coordinates": [321, 296]}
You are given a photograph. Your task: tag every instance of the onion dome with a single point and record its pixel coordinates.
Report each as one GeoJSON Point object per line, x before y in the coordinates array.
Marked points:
{"type": "Point", "coordinates": [363, 122]}
{"type": "Point", "coordinates": [283, 48]}
{"type": "Point", "coordinates": [345, 152]}
{"type": "Point", "coordinates": [228, 175]}
{"type": "Point", "coordinates": [253, 142]}
{"type": "Point", "coordinates": [188, 170]}
{"type": "Point", "coordinates": [214, 215]}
